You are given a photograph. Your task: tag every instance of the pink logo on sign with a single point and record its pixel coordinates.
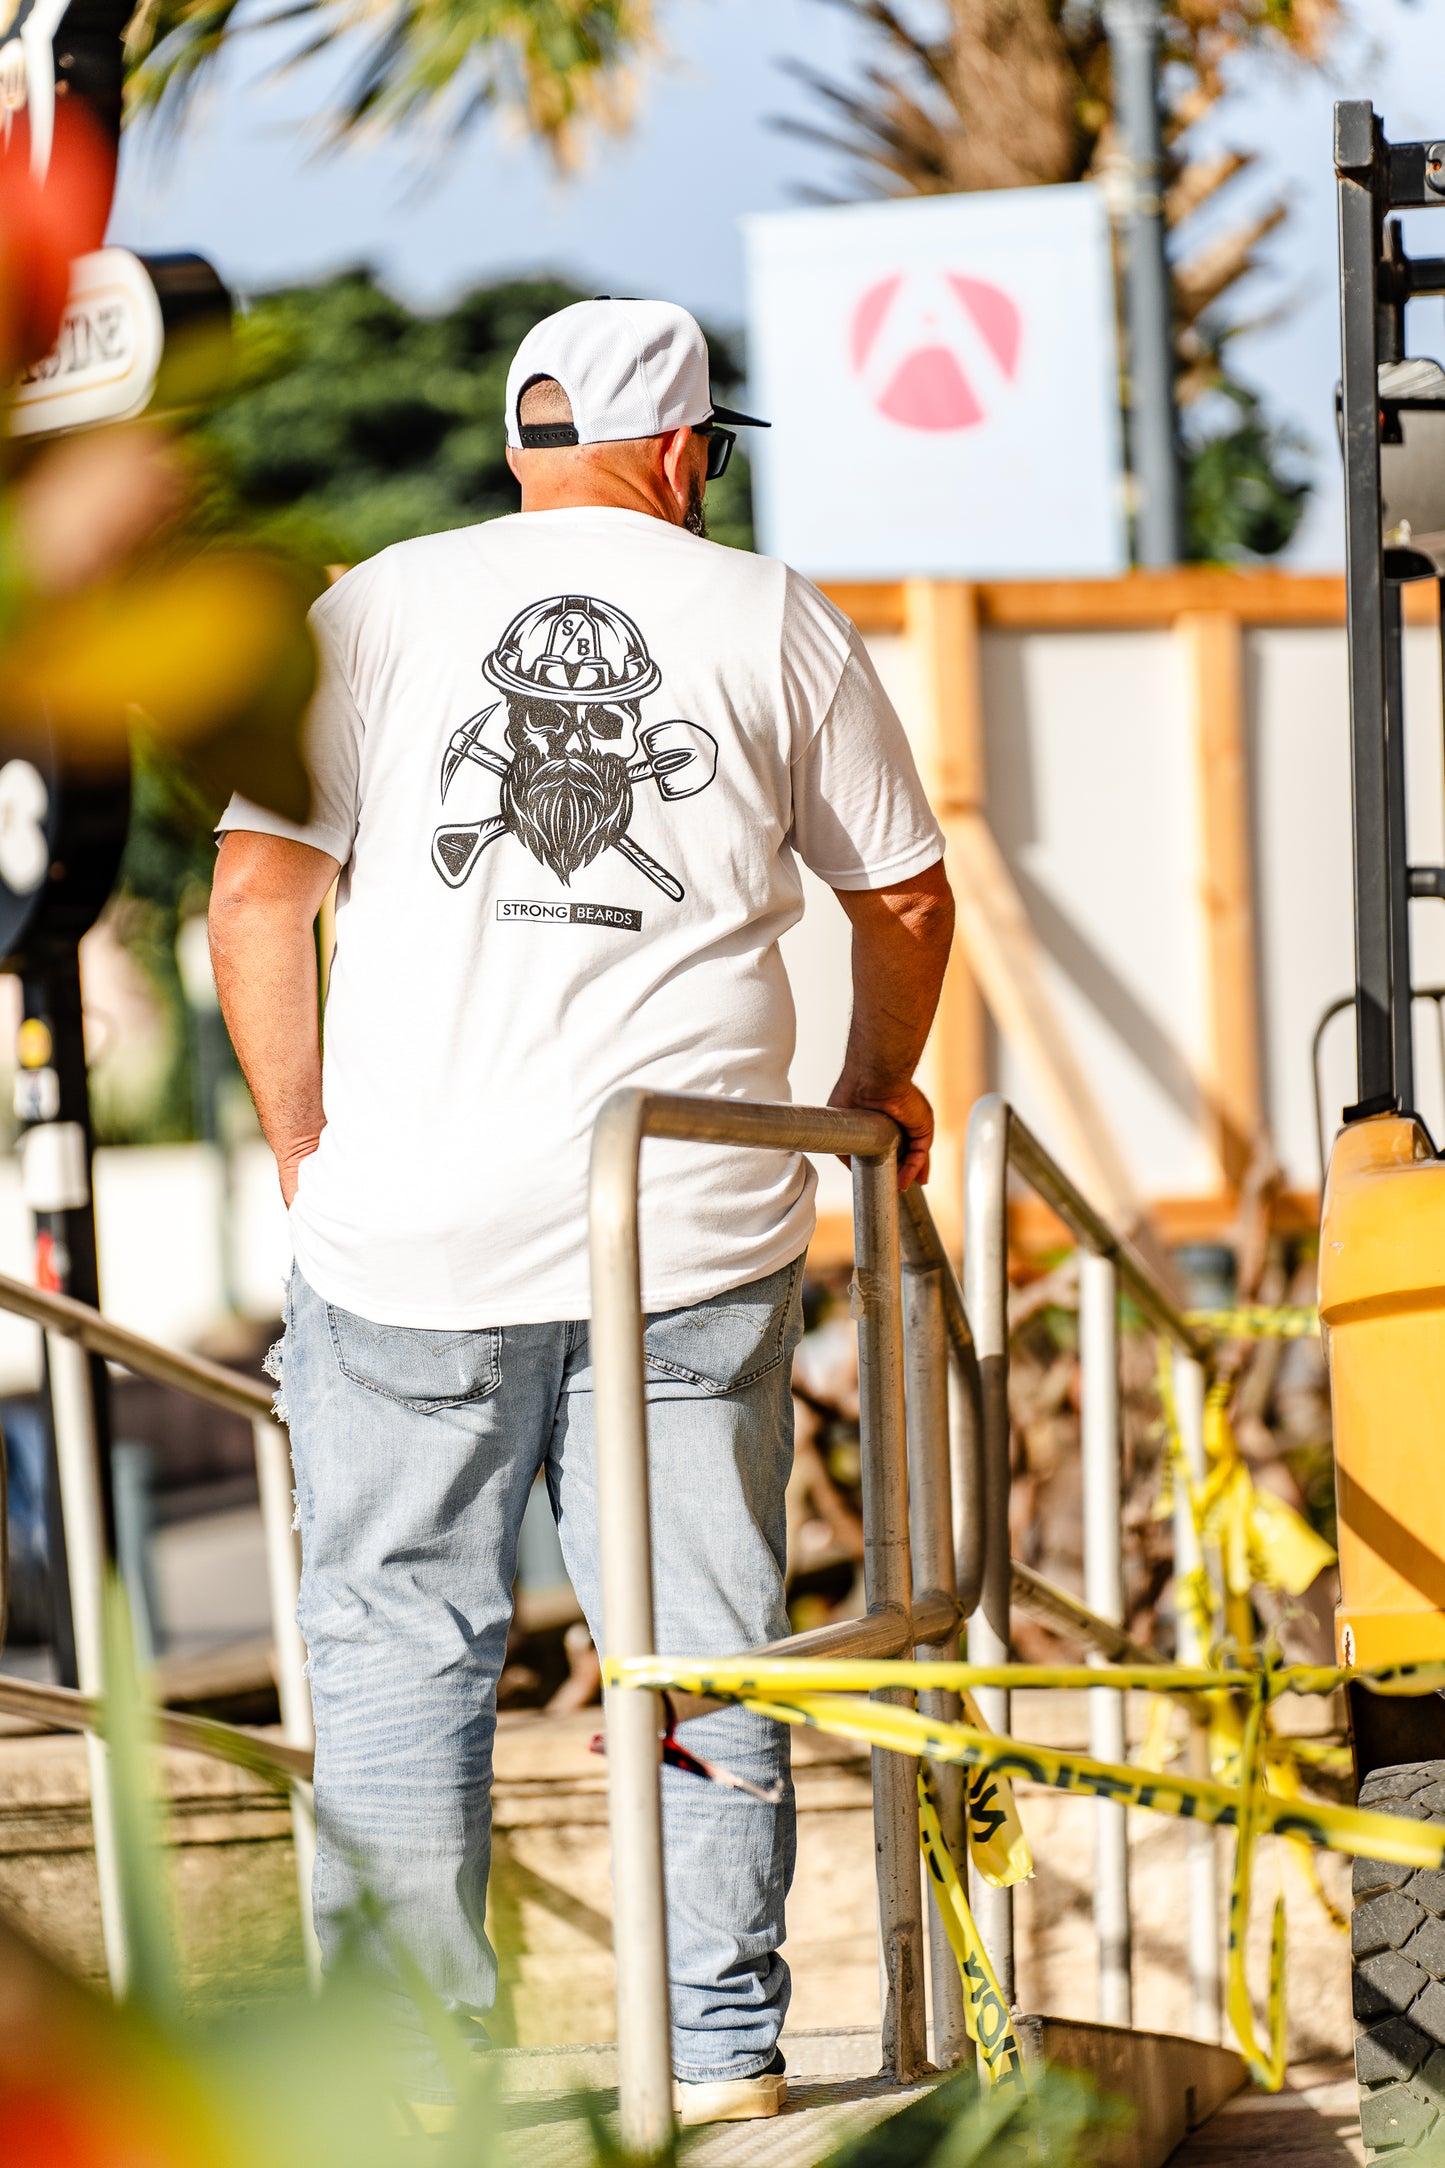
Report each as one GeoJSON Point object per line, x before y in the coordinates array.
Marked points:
{"type": "Point", "coordinates": [920, 360]}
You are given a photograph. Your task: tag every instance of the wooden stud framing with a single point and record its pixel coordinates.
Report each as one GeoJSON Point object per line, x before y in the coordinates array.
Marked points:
{"type": "Point", "coordinates": [1214, 642]}
{"type": "Point", "coordinates": [1142, 599]}
{"type": "Point", "coordinates": [942, 627]}
{"type": "Point", "coordinates": [997, 958]}
{"type": "Point", "coordinates": [1209, 608]}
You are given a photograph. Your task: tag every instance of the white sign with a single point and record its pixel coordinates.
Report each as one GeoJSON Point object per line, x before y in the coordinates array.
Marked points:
{"type": "Point", "coordinates": [103, 366]}
{"type": "Point", "coordinates": [943, 383]}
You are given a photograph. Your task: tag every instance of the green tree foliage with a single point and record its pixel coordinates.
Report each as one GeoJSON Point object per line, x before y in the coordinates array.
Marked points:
{"type": "Point", "coordinates": [164, 874]}
{"type": "Point", "coordinates": [556, 64]}
{"type": "Point", "coordinates": [354, 423]}
{"type": "Point", "coordinates": [1245, 486]}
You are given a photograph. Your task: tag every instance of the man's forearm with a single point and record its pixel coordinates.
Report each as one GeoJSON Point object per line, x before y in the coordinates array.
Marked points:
{"type": "Point", "coordinates": [264, 902]}
{"type": "Point", "coordinates": [265, 965]}
{"type": "Point", "coordinates": [901, 938]}
{"type": "Point", "coordinates": [899, 957]}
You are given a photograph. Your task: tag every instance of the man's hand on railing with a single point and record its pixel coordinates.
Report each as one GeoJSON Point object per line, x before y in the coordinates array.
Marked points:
{"type": "Point", "coordinates": [912, 1112]}
{"type": "Point", "coordinates": [901, 937]}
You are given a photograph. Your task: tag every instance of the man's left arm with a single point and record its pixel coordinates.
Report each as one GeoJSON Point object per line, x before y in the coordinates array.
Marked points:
{"type": "Point", "coordinates": [901, 938]}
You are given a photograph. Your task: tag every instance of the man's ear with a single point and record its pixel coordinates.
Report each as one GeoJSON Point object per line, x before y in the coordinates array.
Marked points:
{"type": "Point", "coordinates": [676, 445]}
{"type": "Point", "coordinates": [512, 463]}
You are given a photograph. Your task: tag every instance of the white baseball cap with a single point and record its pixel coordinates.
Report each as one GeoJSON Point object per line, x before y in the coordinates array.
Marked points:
{"type": "Point", "coordinates": [629, 369]}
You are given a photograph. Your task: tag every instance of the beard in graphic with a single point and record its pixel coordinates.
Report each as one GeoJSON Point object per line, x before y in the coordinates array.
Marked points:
{"type": "Point", "coordinates": [566, 807]}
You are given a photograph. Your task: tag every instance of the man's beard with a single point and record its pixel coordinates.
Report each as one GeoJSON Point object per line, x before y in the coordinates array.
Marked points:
{"type": "Point", "coordinates": [695, 518]}
{"type": "Point", "coordinates": [566, 808]}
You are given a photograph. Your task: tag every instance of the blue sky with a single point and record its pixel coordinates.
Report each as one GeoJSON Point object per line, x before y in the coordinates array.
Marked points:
{"type": "Point", "coordinates": [657, 211]}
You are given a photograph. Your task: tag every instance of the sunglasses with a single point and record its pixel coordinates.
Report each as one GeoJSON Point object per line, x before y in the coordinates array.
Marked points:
{"type": "Point", "coordinates": [720, 444]}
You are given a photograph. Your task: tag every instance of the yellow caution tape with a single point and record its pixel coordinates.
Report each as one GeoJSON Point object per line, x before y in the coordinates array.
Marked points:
{"type": "Point", "coordinates": [1266, 2068]}
{"type": "Point", "coordinates": [996, 1841]}
{"type": "Point", "coordinates": [1259, 1321]}
{"type": "Point", "coordinates": [827, 1702]}
{"type": "Point", "coordinates": [1265, 1798]}
{"type": "Point", "coordinates": [985, 2013]}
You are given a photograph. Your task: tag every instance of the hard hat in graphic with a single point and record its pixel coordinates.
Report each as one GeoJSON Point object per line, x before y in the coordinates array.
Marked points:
{"type": "Point", "coordinates": [572, 648]}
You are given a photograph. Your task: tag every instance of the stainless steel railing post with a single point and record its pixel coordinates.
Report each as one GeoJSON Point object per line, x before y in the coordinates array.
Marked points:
{"type": "Point", "coordinates": [887, 1580]}
{"type": "Point", "coordinates": [985, 1289]}
{"type": "Point", "coordinates": [78, 1465]}
{"type": "Point", "coordinates": [930, 1530]}
{"type": "Point", "coordinates": [644, 2037]}
{"type": "Point", "coordinates": [1204, 1965]}
{"type": "Point", "coordinates": [293, 1689]}
{"type": "Point", "coordinates": [923, 1247]}
{"type": "Point", "coordinates": [1104, 1593]}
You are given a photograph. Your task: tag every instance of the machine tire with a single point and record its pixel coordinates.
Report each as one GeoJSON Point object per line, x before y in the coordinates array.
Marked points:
{"type": "Point", "coordinates": [1397, 1948]}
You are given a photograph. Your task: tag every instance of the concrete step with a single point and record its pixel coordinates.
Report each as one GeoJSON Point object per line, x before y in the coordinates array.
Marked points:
{"type": "Point", "coordinates": [1170, 2085]}
{"type": "Point", "coordinates": [849, 2052]}
{"type": "Point", "coordinates": [1313, 2123]}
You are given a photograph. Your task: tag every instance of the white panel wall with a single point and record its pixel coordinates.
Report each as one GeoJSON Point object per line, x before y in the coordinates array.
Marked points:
{"type": "Point", "coordinates": [1299, 746]}
{"type": "Point", "coordinates": [1091, 795]}
{"type": "Point", "coordinates": [1300, 786]}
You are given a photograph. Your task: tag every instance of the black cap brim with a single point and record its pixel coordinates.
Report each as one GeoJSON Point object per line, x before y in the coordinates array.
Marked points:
{"type": "Point", "coordinates": [733, 420]}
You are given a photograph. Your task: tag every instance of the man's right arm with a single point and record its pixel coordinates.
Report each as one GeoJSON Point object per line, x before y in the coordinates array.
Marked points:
{"type": "Point", "coordinates": [264, 901]}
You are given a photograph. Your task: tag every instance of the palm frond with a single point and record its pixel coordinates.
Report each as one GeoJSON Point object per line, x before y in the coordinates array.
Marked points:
{"type": "Point", "coordinates": [558, 65]}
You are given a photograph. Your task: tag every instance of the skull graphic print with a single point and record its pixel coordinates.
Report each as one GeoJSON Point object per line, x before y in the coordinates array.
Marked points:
{"type": "Point", "coordinates": [573, 673]}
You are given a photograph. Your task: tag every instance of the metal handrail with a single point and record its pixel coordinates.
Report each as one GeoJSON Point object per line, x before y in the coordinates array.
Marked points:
{"type": "Point", "coordinates": [73, 1330]}
{"type": "Point", "coordinates": [924, 1252]}
{"type": "Point", "coordinates": [62, 1708]}
{"type": "Point", "coordinates": [1000, 1143]}
{"type": "Point", "coordinates": [909, 1562]}
{"type": "Point", "coordinates": [193, 1374]}
{"type": "Point", "coordinates": [1092, 1232]}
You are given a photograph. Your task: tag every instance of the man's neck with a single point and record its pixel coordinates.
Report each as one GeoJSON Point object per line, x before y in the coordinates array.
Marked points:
{"type": "Point", "coordinates": [600, 475]}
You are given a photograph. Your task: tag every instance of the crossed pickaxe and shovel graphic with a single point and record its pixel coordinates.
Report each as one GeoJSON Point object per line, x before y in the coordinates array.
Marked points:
{"type": "Point", "coordinates": [680, 758]}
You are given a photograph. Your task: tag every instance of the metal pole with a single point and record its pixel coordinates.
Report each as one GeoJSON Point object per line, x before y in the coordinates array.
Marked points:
{"type": "Point", "coordinates": [53, 1090]}
{"type": "Point", "coordinates": [1401, 1004]}
{"type": "Point", "coordinates": [1204, 1970]}
{"type": "Point", "coordinates": [887, 1583]}
{"type": "Point", "coordinates": [1104, 1594]}
{"type": "Point", "coordinates": [1358, 160]}
{"type": "Point", "coordinates": [293, 1689]}
{"type": "Point", "coordinates": [985, 1290]}
{"type": "Point", "coordinates": [930, 1533]}
{"type": "Point", "coordinates": [639, 1924]}
{"type": "Point", "coordinates": [1133, 31]}
{"type": "Point", "coordinates": [923, 1248]}
{"type": "Point", "coordinates": [82, 1504]}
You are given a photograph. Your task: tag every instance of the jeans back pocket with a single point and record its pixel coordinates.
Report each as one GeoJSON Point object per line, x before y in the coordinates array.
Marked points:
{"type": "Point", "coordinates": [417, 1368]}
{"type": "Point", "coordinates": [731, 1339]}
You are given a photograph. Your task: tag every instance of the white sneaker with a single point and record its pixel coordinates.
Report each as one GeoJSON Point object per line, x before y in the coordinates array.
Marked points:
{"type": "Point", "coordinates": [732, 2100]}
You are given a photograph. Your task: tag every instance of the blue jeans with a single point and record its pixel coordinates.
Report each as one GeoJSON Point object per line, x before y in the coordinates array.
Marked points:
{"type": "Point", "coordinates": [414, 1454]}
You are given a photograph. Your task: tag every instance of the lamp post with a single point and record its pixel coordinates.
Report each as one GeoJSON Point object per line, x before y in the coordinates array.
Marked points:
{"type": "Point", "coordinates": [1133, 28]}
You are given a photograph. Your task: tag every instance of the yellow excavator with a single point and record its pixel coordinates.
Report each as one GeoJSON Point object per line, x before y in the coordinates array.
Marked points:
{"type": "Point", "coordinates": [1382, 1235]}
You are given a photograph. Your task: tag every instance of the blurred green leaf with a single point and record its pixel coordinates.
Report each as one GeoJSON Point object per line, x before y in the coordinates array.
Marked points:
{"type": "Point", "coordinates": [558, 65]}
{"type": "Point", "coordinates": [144, 1891]}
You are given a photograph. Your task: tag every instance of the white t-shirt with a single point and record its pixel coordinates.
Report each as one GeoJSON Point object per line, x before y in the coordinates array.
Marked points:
{"type": "Point", "coordinates": [567, 762]}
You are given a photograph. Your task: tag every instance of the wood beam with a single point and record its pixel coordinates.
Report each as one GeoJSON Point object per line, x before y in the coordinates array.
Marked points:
{"type": "Point", "coordinates": [1214, 643]}
{"type": "Point", "coordinates": [1141, 600]}
{"type": "Point", "coordinates": [942, 626]}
